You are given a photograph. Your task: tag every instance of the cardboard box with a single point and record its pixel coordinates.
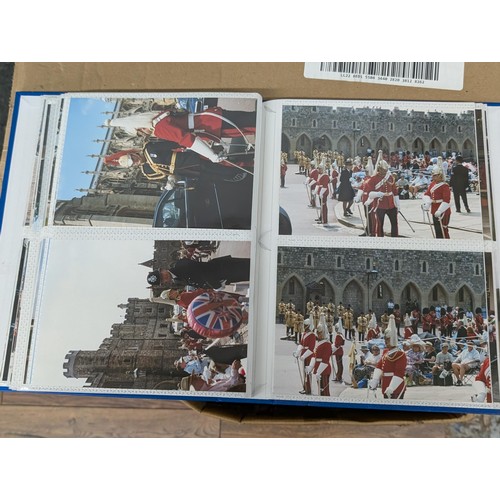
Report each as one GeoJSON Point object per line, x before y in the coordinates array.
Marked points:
{"type": "Point", "coordinates": [272, 81]}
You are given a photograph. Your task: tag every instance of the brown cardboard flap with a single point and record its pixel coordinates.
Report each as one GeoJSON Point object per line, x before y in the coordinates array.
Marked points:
{"type": "Point", "coordinates": [271, 80]}
{"type": "Point", "coordinates": [279, 414]}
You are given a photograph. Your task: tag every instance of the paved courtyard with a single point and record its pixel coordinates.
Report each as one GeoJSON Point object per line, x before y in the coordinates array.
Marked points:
{"type": "Point", "coordinates": [294, 199]}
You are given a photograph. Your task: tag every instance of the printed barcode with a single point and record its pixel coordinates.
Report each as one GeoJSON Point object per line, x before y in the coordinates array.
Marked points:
{"type": "Point", "coordinates": [413, 70]}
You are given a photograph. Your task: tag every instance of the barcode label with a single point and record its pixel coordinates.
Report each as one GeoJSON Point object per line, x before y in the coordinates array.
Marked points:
{"type": "Point", "coordinates": [437, 75]}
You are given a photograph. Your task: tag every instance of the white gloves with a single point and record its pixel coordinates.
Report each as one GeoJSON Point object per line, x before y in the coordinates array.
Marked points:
{"type": "Point", "coordinates": [375, 194]}
{"type": "Point", "coordinates": [441, 210]}
{"type": "Point", "coordinates": [202, 148]}
{"type": "Point", "coordinates": [321, 368]}
{"type": "Point", "coordinates": [481, 390]}
{"type": "Point", "coordinates": [373, 383]}
{"type": "Point", "coordinates": [395, 383]}
{"type": "Point", "coordinates": [426, 205]}
{"type": "Point", "coordinates": [305, 354]}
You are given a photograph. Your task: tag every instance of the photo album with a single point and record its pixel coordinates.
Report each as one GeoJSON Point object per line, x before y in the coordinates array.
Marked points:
{"type": "Point", "coordinates": [218, 247]}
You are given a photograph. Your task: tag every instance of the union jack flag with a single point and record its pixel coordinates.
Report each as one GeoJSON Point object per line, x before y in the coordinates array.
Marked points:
{"type": "Point", "coordinates": [214, 314]}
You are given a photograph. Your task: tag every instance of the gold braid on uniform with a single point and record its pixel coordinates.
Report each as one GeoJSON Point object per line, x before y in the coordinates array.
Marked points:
{"type": "Point", "coordinates": [393, 357]}
{"type": "Point", "coordinates": [161, 170]}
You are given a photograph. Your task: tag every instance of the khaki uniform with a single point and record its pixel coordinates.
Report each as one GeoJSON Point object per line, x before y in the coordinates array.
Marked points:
{"type": "Point", "coordinates": [316, 312]}
{"type": "Point", "coordinates": [281, 312]}
{"type": "Point", "coordinates": [362, 325]}
{"type": "Point", "coordinates": [290, 322]}
{"type": "Point", "coordinates": [348, 321]}
{"type": "Point", "coordinates": [298, 326]}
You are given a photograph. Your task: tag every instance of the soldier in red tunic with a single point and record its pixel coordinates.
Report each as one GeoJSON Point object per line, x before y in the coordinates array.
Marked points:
{"type": "Point", "coordinates": [191, 130]}
{"type": "Point", "coordinates": [334, 178]}
{"type": "Point", "coordinates": [482, 383]}
{"type": "Point", "coordinates": [437, 200]}
{"type": "Point", "coordinates": [322, 191]}
{"type": "Point", "coordinates": [322, 358]}
{"type": "Point", "coordinates": [373, 329]}
{"type": "Point", "coordinates": [432, 313]}
{"type": "Point", "coordinates": [397, 317]}
{"type": "Point", "coordinates": [479, 320]}
{"type": "Point", "coordinates": [305, 353]}
{"type": "Point", "coordinates": [391, 368]}
{"type": "Point", "coordinates": [383, 198]}
{"type": "Point", "coordinates": [426, 322]}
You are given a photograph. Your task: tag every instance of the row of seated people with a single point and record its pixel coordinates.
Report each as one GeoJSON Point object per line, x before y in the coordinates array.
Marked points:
{"type": "Point", "coordinates": [424, 364]}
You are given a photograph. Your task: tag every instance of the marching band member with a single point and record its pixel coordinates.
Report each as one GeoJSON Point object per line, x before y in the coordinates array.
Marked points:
{"type": "Point", "coordinates": [348, 321]}
{"type": "Point", "coordinates": [362, 323]}
{"type": "Point", "coordinates": [298, 326]}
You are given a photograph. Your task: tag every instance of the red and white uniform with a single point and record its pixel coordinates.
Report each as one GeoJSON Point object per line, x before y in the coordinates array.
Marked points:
{"type": "Point", "coordinates": [311, 183]}
{"type": "Point", "coordinates": [381, 193]}
{"type": "Point", "coordinates": [370, 214]}
{"type": "Point", "coordinates": [484, 376]}
{"type": "Point", "coordinates": [440, 192]}
{"type": "Point", "coordinates": [334, 178]}
{"type": "Point", "coordinates": [183, 128]}
{"type": "Point", "coordinates": [373, 333]}
{"type": "Point", "coordinates": [322, 364]}
{"type": "Point", "coordinates": [322, 190]}
{"type": "Point", "coordinates": [113, 160]}
{"type": "Point", "coordinates": [393, 366]}
{"type": "Point", "coordinates": [382, 184]}
{"type": "Point", "coordinates": [307, 343]}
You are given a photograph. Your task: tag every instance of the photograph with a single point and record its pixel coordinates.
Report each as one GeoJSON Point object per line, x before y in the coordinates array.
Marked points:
{"type": "Point", "coordinates": [180, 162]}
{"type": "Point", "coordinates": [383, 169]}
{"type": "Point", "coordinates": [358, 324]}
{"type": "Point", "coordinates": [165, 315]}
